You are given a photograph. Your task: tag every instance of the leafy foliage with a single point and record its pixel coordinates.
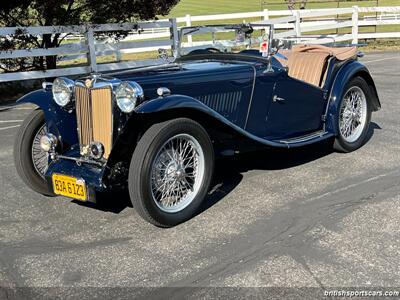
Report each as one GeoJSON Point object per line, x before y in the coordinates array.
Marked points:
{"type": "Point", "coordinates": [21, 13]}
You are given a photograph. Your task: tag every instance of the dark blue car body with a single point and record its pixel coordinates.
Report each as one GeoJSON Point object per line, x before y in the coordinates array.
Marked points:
{"type": "Point", "coordinates": [232, 96]}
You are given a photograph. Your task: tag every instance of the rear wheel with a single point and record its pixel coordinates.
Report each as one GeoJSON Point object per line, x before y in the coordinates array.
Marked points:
{"type": "Point", "coordinates": [354, 116]}
{"type": "Point", "coordinates": [170, 172]}
{"type": "Point", "coordinates": [30, 160]}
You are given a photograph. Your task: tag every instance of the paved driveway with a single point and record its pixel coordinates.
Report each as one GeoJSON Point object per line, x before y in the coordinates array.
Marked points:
{"type": "Point", "coordinates": [302, 218]}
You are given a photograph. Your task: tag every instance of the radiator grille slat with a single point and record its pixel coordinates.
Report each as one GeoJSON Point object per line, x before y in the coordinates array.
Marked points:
{"type": "Point", "coordinates": [83, 115]}
{"type": "Point", "coordinates": [94, 117]}
{"type": "Point", "coordinates": [102, 118]}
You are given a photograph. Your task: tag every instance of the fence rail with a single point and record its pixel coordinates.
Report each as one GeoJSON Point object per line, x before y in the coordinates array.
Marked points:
{"type": "Point", "coordinates": [150, 36]}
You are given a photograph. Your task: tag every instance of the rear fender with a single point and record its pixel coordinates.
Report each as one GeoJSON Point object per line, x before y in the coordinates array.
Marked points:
{"type": "Point", "coordinates": [345, 74]}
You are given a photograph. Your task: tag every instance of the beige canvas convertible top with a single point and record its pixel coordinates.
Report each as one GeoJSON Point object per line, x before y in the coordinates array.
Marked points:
{"type": "Point", "coordinates": [309, 62]}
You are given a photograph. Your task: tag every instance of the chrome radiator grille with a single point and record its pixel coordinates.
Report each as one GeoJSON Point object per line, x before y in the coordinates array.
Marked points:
{"type": "Point", "coordinates": [94, 117]}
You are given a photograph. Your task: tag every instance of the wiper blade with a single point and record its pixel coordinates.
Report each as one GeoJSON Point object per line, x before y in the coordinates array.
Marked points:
{"type": "Point", "coordinates": [193, 30]}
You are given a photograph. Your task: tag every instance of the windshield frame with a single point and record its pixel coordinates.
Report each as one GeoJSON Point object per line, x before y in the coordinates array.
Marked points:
{"type": "Point", "coordinates": [188, 30]}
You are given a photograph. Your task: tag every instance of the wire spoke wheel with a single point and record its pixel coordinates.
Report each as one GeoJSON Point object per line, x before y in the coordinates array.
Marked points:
{"type": "Point", "coordinates": [353, 114]}
{"type": "Point", "coordinates": [171, 171]}
{"type": "Point", "coordinates": [40, 158]}
{"type": "Point", "coordinates": [177, 173]}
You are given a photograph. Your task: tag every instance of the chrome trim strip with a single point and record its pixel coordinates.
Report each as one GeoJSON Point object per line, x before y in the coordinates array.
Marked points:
{"type": "Point", "coordinates": [251, 97]}
{"type": "Point", "coordinates": [148, 68]}
{"type": "Point", "coordinates": [311, 136]}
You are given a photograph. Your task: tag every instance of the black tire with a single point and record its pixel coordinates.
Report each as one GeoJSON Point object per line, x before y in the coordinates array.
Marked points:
{"type": "Point", "coordinates": [23, 154]}
{"type": "Point", "coordinates": [340, 144]}
{"type": "Point", "coordinates": [140, 168]}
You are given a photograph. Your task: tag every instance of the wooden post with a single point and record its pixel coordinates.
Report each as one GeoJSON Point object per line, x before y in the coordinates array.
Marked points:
{"type": "Point", "coordinates": [91, 55]}
{"type": "Point", "coordinates": [265, 18]}
{"type": "Point", "coordinates": [265, 15]}
{"type": "Point", "coordinates": [174, 37]}
{"type": "Point", "coordinates": [354, 30]}
{"type": "Point", "coordinates": [118, 54]}
{"type": "Point", "coordinates": [297, 27]}
{"type": "Point", "coordinates": [188, 24]}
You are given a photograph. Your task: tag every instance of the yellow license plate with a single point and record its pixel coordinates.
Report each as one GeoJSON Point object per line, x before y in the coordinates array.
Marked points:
{"type": "Point", "coordinates": [69, 186]}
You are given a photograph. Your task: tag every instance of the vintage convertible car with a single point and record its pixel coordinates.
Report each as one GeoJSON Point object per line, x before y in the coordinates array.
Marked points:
{"type": "Point", "coordinates": [157, 130]}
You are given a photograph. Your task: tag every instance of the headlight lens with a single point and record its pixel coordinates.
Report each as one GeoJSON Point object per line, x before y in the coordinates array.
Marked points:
{"type": "Point", "coordinates": [127, 94]}
{"type": "Point", "coordinates": [96, 150]}
{"type": "Point", "coordinates": [48, 142]}
{"type": "Point", "coordinates": [62, 90]}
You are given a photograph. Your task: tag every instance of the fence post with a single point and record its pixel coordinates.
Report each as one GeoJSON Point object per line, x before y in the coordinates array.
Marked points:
{"type": "Point", "coordinates": [91, 55]}
{"type": "Point", "coordinates": [188, 24]}
{"type": "Point", "coordinates": [297, 28]}
{"type": "Point", "coordinates": [118, 54]}
{"type": "Point", "coordinates": [174, 37]}
{"type": "Point", "coordinates": [354, 30]}
{"type": "Point", "coordinates": [265, 15]}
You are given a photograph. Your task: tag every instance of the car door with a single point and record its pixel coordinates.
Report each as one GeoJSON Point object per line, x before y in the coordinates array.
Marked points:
{"type": "Point", "coordinates": [256, 122]}
{"type": "Point", "coordinates": [296, 107]}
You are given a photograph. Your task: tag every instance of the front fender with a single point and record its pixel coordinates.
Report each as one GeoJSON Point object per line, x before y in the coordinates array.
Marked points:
{"type": "Point", "coordinates": [59, 121]}
{"type": "Point", "coordinates": [343, 76]}
{"type": "Point", "coordinates": [177, 102]}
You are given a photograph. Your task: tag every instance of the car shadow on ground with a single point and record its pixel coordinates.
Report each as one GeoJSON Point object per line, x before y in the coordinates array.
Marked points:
{"type": "Point", "coordinates": [228, 172]}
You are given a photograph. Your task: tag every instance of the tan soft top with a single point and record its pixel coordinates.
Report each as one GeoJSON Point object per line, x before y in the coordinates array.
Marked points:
{"type": "Point", "coordinates": [341, 53]}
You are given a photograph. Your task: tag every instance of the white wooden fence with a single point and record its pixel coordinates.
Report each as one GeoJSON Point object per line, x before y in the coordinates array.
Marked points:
{"type": "Point", "coordinates": [150, 36]}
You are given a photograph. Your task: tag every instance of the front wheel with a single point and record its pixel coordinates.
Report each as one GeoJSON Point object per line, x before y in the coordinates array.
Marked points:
{"type": "Point", "coordinates": [354, 116]}
{"type": "Point", "coordinates": [30, 160]}
{"type": "Point", "coordinates": [170, 172]}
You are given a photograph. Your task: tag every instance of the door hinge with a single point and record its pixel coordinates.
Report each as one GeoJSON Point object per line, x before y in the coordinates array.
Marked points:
{"type": "Point", "coordinates": [323, 118]}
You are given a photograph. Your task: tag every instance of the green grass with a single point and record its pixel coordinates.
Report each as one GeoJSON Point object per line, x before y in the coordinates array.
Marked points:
{"type": "Point", "coordinates": [207, 7]}
{"type": "Point", "coordinates": [211, 7]}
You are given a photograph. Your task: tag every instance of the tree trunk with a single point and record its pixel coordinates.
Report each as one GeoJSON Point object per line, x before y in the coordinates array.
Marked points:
{"type": "Point", "coordinates": [51, 61]}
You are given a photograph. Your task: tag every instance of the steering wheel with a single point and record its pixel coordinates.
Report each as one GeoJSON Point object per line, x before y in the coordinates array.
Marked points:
{"type": "Point", "coordinates": [205, 51]}
{"type": "Point", "coordinates": [213, 50]}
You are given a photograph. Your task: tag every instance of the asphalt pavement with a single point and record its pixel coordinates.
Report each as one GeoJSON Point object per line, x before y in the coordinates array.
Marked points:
{"type": "Point", "coordinates": [295, 221]}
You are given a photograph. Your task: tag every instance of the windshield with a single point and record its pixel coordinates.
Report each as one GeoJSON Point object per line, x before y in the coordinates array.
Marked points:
{"type": "Point", "coordinates": [226, 39]}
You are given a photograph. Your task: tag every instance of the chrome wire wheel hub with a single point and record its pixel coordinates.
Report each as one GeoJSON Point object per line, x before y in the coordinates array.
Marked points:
{"type": "Point", "coordinates": [177, 173]}
{"type": "Point", "coordinates": [353, 114]}
{"type": "Point", "coordinates": [40, 158]}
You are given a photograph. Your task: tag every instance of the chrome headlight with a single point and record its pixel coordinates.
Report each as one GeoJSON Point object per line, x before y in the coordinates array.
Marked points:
{"type": "Point", "coordinates": [63, 90]}
{"type": "Point", "coordinates": [48, 142]}
{"type": "Point", "coordinates": [127, 95]}
{"type": "Point", "coordinates": [96, 150]}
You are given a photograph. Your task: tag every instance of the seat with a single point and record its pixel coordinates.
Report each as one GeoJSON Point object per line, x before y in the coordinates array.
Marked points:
{"type": "Point", "coordinates": [307, 67]}
{"type": "Point", "coordinates": [309, 62]}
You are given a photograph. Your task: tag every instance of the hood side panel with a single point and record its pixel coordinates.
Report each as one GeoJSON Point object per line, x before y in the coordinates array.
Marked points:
{"type": "Point", "coordinates": [224, 87]}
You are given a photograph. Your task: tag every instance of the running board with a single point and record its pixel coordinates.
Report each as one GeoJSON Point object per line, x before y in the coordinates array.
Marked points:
{"type": "Point", "coordinates": [306, 138]}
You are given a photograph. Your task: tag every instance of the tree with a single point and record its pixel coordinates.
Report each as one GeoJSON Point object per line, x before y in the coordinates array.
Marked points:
{"type": "Point", "coordinates": [291, 4]}
{"type": "Point", "coordinates": [23, 13]}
